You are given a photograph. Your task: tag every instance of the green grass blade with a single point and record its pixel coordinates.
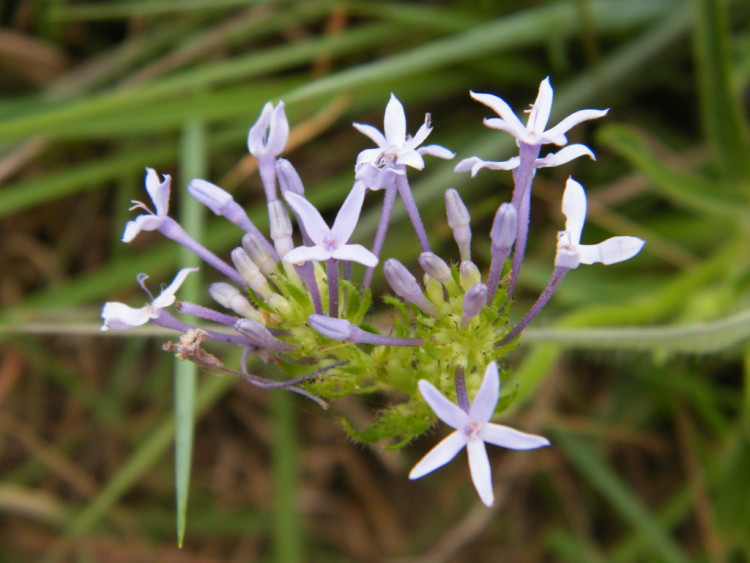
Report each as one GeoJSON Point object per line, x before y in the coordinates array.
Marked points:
{"type": "Point", "coordinates": [193, 164]}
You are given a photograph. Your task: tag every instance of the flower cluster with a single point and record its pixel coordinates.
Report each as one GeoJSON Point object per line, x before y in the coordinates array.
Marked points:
{"type": "Point", "coordinates": [305, 305]}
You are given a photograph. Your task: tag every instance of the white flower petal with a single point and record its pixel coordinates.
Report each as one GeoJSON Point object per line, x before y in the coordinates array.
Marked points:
{"type": "Point", "coordinates": [436, 150]}
{"type": "Point", "coordinates": [306, 254]}
{"type": "Point", "coordinates": [166, 297]}
{"type": "Point", "coordinates": [539, 114]}
{"type": "Point", "coordinates": [368, 156]}
{"type": "Point", "coordinates": [278, 131]}
{"type": "Point", "coordinates": [256, 137]}
{"type": "Point", "coordinates": [309, 216]}
{"type": "Point", "coordinates": [141, 223]}
{"type": "Point", "coordinates": [506, 437]}
{"type": "Point", "coordinates": [422, 133]}
{"type": "Point", "coordinates": [556, 135]}
{"type": "Point", "coordinates": [479, 465]}
{"type": "Point", "coordinates": [355, 253]}
{"type": "Point", "coordinates": [501, 108]}
{"type": "Point", "coordinates": [611, 251]}
{"type": "Point", "coordinates": [375, 135]}
{"type": "Point", "coordinates": [411, 158]}
{"type": "Point", "coordinates": [565, 155]}
{"type": "Point", "coordinates": [438, 456]}
{"type": "Point", "coordinates": [502, 125]}
{"type": "Point", "coordinates": [119, 316]}
{"type": "Point", "coordinates": [485, 401]}
{"type": "Point", "coordinates": [394, 125]}
{"type": "Point", "coordinates": [574, 209]}
{"type": "Point", "coordinates": [348, 215]}
{"type": "Point", "coordinates": [446, 411]}
{"type": "Point", "coordinates": [158, 191]}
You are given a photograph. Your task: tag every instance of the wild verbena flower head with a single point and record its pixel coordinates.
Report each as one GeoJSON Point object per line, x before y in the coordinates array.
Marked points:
{"type": "Point", "coordinates": [277, 304]}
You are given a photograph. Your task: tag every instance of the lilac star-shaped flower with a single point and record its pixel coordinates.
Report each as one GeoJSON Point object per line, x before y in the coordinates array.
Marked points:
{"type": "Point", "coordinates": [330, 242]}
{"type": "Point", "coordinates": [119, 316]}
{"type": "Point", "coordinates": [534, 132]}
{"type": "Point", "coordinates": [472, 429]}
{"type": "Point", "coordinates": [159, 193]}
{"type": "Point", "coordinates": [395, 148]}
{"type": "Point", "coordinates": [570, 253]}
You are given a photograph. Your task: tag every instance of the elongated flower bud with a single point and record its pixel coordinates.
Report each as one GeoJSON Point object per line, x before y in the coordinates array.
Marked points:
{"type": "Point", "coordinates": [469, 274]}
{"type": "Point", "coordinates": [405, 285]}
{"type": "Point", "coordinates": [343, 330]}
{"type": "Point", "coordinates": [459, 221]}
{"type": "Point", "coordinates": [281, 227]}
{"type": "Point", "coordinates": [258, 334]}
{"type": "Point", "coordinates": [474, 299]}
{"type": "Point", "coordinates": [230, 297]}
{"type": "Point", "coordinates": [288, 178]}
{"type": "Point", "coordinates": [504, 229]}
{"type": "Point", "coordinates": [259, 254]}
{"type": "Point", "coordinates": [250, 272]}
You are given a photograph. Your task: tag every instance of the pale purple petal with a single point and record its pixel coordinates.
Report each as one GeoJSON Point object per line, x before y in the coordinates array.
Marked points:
{"type": "Point", "coordinates": [502, 125]}
{"type": "Point", "coordinates": [479, 465]}
{"type": "Point", "coordinates": [256, 138]}
{"type": "Point", "coordinates": [411, 158]}
{"type": "Point", "coordinates": [556, 135]}
{"type": "Point", "coordinates": [166, 297]}
{"type": "Point", "coordinates": [565, 155]}
{"type": "Point", "coordinates": [436, 150]}
{"type": "Point", "coordinates": [306, 254]}
{"type": "Point", "coordinates": [141, 223]}
{"type": "Point", "coordinates": [574, 209]}
{"type": "Point", "coordinates": [375, 135]}
{"type": "Point", "coordinates": [355, 253]}
{"type": "Point", "coordinates": [446, 411]}
{"type": "Point", "coordinates": [348, 215]}
{"type": "Point", "coordinates": [422, 134]}
{"type": "Point", "coordinates": [368, 156]}
{"type": "Point", "coordinates": [501, 108]}
{"type": "Point", "coordinates": [309, 217]}
{"type": "Point", "coordinates": [118, 316]}
{"type": "Point", "coordinates": [438, 456]}
{"type": "Point", "coordinates": [278, 131]}
{"type": "Point", "coordinates": [539, 114]}
{"type": "Point", "coordinates": [506, 437]}
{"type": "Point", "coordinates": [158, 191]}
{"type": "Point", "coordinates": [394, 125]}
{"type": "Point", "coordinates": [611, 251]}
{"type": "Point", "coordinates": [485, 400]}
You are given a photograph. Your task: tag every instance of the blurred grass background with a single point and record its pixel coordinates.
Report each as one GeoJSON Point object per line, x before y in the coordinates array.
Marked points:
{"type": "Point", "coordinates": [637, 372]}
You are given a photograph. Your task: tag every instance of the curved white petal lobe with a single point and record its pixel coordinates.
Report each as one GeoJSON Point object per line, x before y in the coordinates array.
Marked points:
{"type": "Point", "coordinates": [574, 209]}
{"type": "Point", "coordinates": [479, 466]}
{"type": "Point", "coordinates": [485, 401]}
{"type": "Point", "coordinates": [539, 114]}
{"type": "Point", "coordinates": [356, 253]}
{"type": "Point", "coordinates": [375, 135]}
{"type": "Point", "coordinates": [438, 456]}
{"type": "Point", "coordinates": [348, 215]}
{"type": "Point", "coordinates": [394, 125]}
{"type": "Point", "coordinates": [309, 216]}
{"type": "Point", "coordinates": [611, 251]}
{"type": "Point", "coordinates": [506, 437]}
{"type": "Point", "coordinates": [446, 411]}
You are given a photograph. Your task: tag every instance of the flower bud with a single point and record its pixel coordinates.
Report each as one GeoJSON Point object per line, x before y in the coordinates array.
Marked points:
{"type": "Point", "coordinates": [504, 229]}
{"type": "Point", "coordinates": [333, 328]}
{"type": "Point", "coordinates": [230, 297]}
{"type": "Point", "coordinates": [474, 299]}
{"type": "Point", "coordinates": [259, 254]}
{"type": "Point", "coordinates": [469, 274]}
{"type": "Point", "coordinates": [288, 178]}
{"type": "Point", "coordinates": [281, 227]}
{"type": "Point", "coordinates": [259, 335]}
{"type": "Point", "coordinates": [210, 195]}
{"type": "Point", "coordinates": [459, 221]}
{"type": "Point", "coordinates": [250, 272]}
{"type": "Point", "coordinates": [405, 285]}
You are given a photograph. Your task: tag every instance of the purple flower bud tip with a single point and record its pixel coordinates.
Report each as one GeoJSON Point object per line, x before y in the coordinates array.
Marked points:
{"type": "Point", "coordinates": [435, 267]}
{"type": "Point", "coordinates": [333, 328]}
{"type": "Point", "coordinates": [288, 178]}
{"type": "Point", "coordinates": [210, 195]}
{"type": "Point", "coordinates": [458, 214]}
{"type": "Point", "coordinates": [504, 227]}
